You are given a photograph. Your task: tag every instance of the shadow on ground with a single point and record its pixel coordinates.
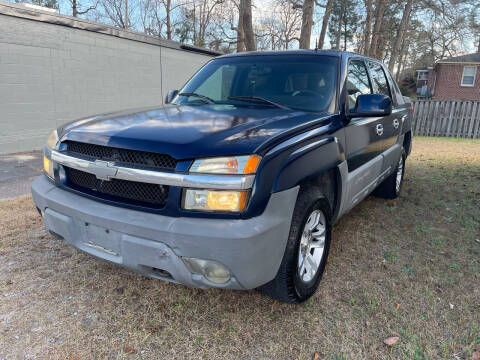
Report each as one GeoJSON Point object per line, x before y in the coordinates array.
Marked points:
{"type": "Point", "coordinates": [17, 172]}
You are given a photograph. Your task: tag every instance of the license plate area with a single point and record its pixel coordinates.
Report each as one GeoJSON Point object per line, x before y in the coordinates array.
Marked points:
{"type": "Point", "coordinates": [101, 239]}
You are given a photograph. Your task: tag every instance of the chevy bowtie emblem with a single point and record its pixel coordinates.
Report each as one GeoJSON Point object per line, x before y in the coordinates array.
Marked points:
{"type": "Point", "coordinates": [103, 170]}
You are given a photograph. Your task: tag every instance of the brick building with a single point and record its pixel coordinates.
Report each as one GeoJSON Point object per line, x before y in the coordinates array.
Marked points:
{"type": "Point", "coordinates": [456, 78]}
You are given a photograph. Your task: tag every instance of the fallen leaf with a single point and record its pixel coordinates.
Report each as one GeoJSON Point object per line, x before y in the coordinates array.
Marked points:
{"type": "Point", "coordinates": [317, 356]}
{"type": "Point", "coordinates": [398, 306]}
{"type": "Point", "coordinates": [367, 323]}
{"type": "Point", "coordinates": [129, 349]}
{"type": "Point", "coordinates": [476, 355]}
{"type": "Point", "coordinates": [73, 357]}
{"type": "Point", "coordinates": [391, 340]}
{"type": "Point", "coordinates": [9, 282]}
{"type": "Point", "coordinates": [391, 203]}
{"type": "Point", "coordinates": [315, 319]}
{"type": "Point", "coordinates": [120, 290]}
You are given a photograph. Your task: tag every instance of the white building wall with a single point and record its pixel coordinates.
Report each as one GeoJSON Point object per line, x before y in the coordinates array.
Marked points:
{"type": "Point", "coordinates": [51, 74]}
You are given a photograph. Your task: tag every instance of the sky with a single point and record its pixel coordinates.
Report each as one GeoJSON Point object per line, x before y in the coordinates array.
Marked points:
{"type": "Point", "coordinates": [264, 8]}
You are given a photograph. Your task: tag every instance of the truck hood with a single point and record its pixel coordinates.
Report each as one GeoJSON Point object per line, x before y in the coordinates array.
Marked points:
{"type": "Point", "coordinates": [187, 132]}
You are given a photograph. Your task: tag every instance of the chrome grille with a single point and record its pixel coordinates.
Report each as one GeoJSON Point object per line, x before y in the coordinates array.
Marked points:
{"type": "Point", "coordinates": [122, 156]}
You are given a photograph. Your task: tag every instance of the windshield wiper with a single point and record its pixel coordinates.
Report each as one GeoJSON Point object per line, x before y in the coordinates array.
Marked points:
{"type": "Point", "coordinates": [260, 100]}
{"type": "Point", "coordinates": [203, 97]}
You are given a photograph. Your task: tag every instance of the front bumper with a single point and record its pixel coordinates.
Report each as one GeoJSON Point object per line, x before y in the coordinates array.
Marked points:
{"type": "Point", "coordinates": [153, 245]}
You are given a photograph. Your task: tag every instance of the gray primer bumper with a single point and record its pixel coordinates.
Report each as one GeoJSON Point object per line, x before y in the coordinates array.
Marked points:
{"type": "Point", "coordinates": [251, 249]}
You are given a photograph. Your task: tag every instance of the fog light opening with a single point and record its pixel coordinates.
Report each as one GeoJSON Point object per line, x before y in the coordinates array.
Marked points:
{"type": "Point", "coordinates": [211, 270]}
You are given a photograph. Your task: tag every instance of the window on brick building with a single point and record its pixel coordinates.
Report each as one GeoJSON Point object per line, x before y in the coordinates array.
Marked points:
{"type": "Point", "coordinates": [468, 77]}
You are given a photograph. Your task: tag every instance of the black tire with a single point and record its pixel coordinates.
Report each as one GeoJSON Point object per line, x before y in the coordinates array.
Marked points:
{"type": "Point", "coordinates": [388, 188]}
{"type": "Point", "coordinates": [287, 286]}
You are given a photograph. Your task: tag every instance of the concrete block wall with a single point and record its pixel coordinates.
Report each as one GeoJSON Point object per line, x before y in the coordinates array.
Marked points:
{"type": "Point", "coordinates": [51, 74]}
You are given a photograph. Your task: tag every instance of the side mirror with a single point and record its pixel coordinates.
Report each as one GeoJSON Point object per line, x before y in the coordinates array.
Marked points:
{"type": "Point", "coordinates": [371, 105]}
{"type": "Point", "coordinates": [170, 95]}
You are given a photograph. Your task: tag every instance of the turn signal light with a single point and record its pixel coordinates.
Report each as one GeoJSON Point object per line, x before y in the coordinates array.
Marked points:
{"type": "Point", "coordinates": [48, 166]}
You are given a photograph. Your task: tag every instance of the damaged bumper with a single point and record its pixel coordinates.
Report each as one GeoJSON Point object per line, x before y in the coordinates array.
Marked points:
{"type": "Point", "coordinates": [156, 245]}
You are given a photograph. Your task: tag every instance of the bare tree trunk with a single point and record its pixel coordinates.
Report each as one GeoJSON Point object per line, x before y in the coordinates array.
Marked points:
{"type": "Point", "coordinates": [74, 8]}
{"type": "Point", "coordinates": [338, 35]}
{"type": "Point", "coordinates": [326, 17]}
{"type": "Point", "coordinates": [240, 34]}
{"type": "Point", "coordinates": [478, 49]}
{"type": "Point", "coordinates": [307, 23]}
{"type": "Point", "coordinates": [380, 10]}
{"type": "Point", "coordinates": [401, 60]}
{"type": "Point", "coordinates": [368, 27]}
{"type": "Point", "coordinates": [194, 25]}
{"type": "Point", "coordinates": [168, 10]}
{"type": "Point", "coordinates": [246, 9]}
{"type": "Point", "coordinates": [400, 35]}
{"type": "Point", "coordinates": [126, 14]}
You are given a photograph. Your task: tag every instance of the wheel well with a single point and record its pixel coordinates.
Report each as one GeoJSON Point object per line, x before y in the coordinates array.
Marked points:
{"type": "Point", "coordinates": [407, 143]}
{"type": "Point", "coordinates": [324, 184]}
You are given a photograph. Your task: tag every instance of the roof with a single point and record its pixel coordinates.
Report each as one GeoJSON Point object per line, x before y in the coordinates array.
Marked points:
{"type": "Point", "coordinates": [469, 58]}
{"type": "Point", "coordinates": [337, 53]}
{"type": "Point", "coordinates": [40, 15]}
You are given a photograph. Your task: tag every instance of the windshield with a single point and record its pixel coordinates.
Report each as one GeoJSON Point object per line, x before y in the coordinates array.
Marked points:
{"type": "Point", "coordinates": [300, 82]}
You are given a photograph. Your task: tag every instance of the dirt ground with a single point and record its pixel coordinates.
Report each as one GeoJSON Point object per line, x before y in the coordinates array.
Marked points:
{"type": "Point", "coordinates": [408, 268]}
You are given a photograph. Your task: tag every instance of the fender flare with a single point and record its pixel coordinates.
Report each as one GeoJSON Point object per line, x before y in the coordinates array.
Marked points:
{"type": "Point", "coordinates": [308, 162]}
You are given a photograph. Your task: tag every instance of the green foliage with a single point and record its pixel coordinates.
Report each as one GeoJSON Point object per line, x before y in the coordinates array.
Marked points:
{"type": "Point", "coordinates": [343, 23]}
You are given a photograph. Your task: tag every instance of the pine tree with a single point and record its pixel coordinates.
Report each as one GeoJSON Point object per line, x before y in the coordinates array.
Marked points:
{"type": "Point", "coordinates": [343, 23]}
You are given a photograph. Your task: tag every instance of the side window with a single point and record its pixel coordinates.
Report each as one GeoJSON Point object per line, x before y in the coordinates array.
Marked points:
{"type": "Point", "coordinates": [357, 82]}
{"type": "Point", "coordinates": [380, 84]}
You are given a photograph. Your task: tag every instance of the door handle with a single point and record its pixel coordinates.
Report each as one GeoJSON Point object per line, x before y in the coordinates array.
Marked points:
{"type": "Point", "coordinates": [379, 129]}
{"type": "Point", "coordinates": [396, 123]}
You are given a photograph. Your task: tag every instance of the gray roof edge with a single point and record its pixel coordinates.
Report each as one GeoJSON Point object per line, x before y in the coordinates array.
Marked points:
{"type": "Point", "coordinates": [467, 58]}
{"type": "Point", "coordinates": [23, 12]}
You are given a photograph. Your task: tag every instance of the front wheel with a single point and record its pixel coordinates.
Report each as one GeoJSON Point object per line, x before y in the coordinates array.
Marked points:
{"type": "Point", "coordinates": [306, 253]}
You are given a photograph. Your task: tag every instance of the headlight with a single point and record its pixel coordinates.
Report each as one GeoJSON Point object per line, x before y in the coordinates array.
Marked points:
{"type": "Point", "coordinates": [246, 164]}
{"type": "Point", "coordinates": [215, 200]}
{"type": "Point", "coordinates": [52, 140]}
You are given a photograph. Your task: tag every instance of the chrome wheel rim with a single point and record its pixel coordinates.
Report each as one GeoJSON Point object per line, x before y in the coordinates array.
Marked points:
{"type": "Point", "coordinates": [398, 180]}
{"type": "Point", "coordinates": [312, 246]}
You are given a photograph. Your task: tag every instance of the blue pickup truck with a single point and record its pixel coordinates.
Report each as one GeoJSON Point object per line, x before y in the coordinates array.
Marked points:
{"type": "Point", "coordinates": [237, 180]}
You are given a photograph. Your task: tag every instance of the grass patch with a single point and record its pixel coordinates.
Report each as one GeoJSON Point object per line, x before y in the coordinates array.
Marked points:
{"type": "Point", "coordinates": [413, 274]}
